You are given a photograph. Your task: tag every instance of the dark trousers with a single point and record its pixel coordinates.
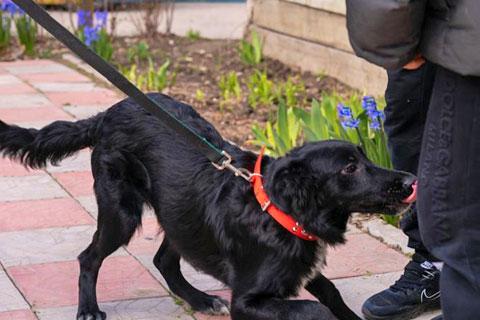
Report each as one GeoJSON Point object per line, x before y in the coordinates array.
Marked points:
{"type": "Point", "coordinates": [408, 97]}
{"type": "Point", "coordinates": [449, 190]}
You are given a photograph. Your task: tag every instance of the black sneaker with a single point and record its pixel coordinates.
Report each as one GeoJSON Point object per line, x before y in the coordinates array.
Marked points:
{"type": "Point", "coordinates": [415, 292]}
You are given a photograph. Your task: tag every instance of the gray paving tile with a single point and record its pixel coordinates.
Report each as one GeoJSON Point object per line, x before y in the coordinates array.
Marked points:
{"type": "Point", "coordinates": [89, 203]}
{"type": "Point", "coordinates": [10, 297]}
{"type": "Point", "coordinates": [352, 229]}
{"type": "Point", "coordinates": [39, 186]}
{"type": "Point", "coordinates": [197, 279]}
{"type": "Point", "coordinates": [8, 80]}
{"type": "Point", "coordinates": [356, 290]}
{"type": "Point", "coordinates": [142, 309]}
{"type": "Point", "coordinates": [42, 68]}
{"type": "Point", "coordinates": [34, 125]}
{"type": "Point", "coordinates": [45, 245]}
{"type": "Point", "coordinates": [388, 234]}
{"type": "Point", "coordinates": [82, 112]}
{"type": "Point", "coordinates": [65, 87]}
{"type": "Point", "coordinates": [200, 280]}
{"type": "Point", "coordinates": [77, 162]}
{"type": "Point", "coordinates": [24, 101]}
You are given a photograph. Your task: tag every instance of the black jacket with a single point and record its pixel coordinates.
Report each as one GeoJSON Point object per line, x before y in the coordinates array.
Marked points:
{"type": "Point", "coordinates": [390, 33]}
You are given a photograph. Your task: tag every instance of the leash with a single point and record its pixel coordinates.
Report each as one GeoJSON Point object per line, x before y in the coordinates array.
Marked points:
{"type": "Point", "coordinates": [219, 158]}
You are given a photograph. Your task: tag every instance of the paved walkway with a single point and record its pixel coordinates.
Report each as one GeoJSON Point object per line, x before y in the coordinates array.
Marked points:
{"type": "Point", "coordinates": [212, 20]}
{"type": "Point", "coordinates": [47, 217]}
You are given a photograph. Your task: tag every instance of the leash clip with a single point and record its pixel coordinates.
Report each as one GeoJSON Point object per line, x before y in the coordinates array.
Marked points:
{"type": "Point", "coordinates": [238, 172]}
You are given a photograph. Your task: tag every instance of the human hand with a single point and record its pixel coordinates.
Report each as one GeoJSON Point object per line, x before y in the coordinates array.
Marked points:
{"type": "Point", "coordinates": [416, 63]}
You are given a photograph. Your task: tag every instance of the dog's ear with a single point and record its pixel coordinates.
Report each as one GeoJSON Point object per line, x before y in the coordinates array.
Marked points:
{"type": "Point", "coordinates": [299, 191]}
{"type": "Point", "coordinates": [291, 186]}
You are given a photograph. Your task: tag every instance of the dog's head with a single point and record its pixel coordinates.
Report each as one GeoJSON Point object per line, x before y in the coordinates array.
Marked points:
{"type": "Point", "coordinates": [320, 184]}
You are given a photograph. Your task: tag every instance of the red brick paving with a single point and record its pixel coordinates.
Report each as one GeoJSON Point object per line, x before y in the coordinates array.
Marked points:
{"type": "Point", "coordinates": [37, 214]}
{"type": "Point", "coordinates": [51, 77]}
{"type": "Point", "coordinates": [104, 97]}
{"type": "Point", "coordinates": [17, 315]}
{"type": "Point", "coordinates": [362, 255]}
{"type": "Point", "coordinates": [76, 183]}
{"type": "Point", "coordinates": [147, 239]}
{"type": "Point", "coordinates": [16, 89]}
{"type": "Point", "coordinates": [55, 284]}
{"type": "Point", "coordinates": [9, 168]}
{"type": "Point", "coordinates": [33, 114]}
{"type": "Point", "coordinates": [22, 63]}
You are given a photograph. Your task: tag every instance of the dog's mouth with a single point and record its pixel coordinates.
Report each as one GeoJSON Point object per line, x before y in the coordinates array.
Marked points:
{"type": "Point", "coordinates": [394, 205]}
{"type": "Point", "coordinates": [387, 202]}
{"type": "Point", "coordinates": [413, 195]}
{"type": "Point", "coordinates": [399, 206]}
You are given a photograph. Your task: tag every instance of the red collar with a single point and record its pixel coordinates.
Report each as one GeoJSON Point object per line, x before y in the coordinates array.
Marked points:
{"type": "Point", "coordinates": [278, 215]}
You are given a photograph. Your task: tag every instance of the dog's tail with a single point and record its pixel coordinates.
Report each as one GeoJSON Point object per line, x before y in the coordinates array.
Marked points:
{"type": "Point", "coordinates": [59, 140]}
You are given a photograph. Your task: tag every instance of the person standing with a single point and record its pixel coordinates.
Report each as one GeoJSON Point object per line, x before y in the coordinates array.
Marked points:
{"type": "Point", "coordinates": [445, 33]}
{"type": "Point", "coordinates": [407, 97]}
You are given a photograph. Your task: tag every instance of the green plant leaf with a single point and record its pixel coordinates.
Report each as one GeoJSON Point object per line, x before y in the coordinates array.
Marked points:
{"type": "Point", "coordinates": [282, 124]}
{"type": "Point", "coordinates": [280, 147]}
{"type": "Point", "coordinates": [302, 114]}
{"type": "Point", "coordinates": [318, 123]}
{"type": "Point", "coordinates": [257, 48]}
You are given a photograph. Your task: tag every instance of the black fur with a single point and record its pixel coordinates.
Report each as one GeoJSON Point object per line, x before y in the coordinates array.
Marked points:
{"type": "Point", "coordinates": [210, 217]}
{"type": "Point", "coordinates": [55, 142]}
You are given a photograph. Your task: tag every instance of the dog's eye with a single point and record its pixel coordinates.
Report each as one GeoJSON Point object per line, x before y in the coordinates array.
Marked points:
{"type": "Point", "coordinates": [351, 168]}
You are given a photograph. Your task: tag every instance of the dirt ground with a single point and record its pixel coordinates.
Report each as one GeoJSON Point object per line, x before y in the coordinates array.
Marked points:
{"type": "Point", "coordinates": [199, 64]}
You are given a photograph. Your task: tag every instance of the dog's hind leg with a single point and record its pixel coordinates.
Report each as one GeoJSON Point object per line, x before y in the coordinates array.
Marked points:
{"type": "Point", "coordinates": [119, 214]}
{"type": "Point", "coordinates": [327, 293]}
{"type": "Point", "coordinates": [167, 261]}
{"type": "Point", "coordinates": [259, 292]}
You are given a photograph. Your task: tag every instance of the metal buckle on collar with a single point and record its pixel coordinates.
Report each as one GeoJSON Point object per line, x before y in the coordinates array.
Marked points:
{"type": "Point", "coordinates": [266, 205]}
{"type": "Point", "coordinates": [238, 172]}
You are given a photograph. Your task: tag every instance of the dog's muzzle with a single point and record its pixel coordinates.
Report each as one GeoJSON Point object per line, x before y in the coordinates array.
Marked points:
{"type": "Point", "coordinates": [413, 196]}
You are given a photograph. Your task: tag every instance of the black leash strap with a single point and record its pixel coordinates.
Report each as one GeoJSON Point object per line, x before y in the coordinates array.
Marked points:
{"type": "Point", "coordinates": [218, 157]}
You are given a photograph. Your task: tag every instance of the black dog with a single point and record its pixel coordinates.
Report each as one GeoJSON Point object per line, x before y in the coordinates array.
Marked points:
{"type": "Point", "coordinates": [210, 217]}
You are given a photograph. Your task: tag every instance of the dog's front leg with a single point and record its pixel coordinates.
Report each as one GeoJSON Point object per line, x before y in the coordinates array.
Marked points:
{"type": "Point", "coordinates": [261, 307]}
{"type": "Point", "coordinates": [326, 292]}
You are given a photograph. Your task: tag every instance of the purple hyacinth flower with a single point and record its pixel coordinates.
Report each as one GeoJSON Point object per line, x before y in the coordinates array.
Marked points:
{"type": "Point", "coordinates": [375, 115]}
{"type": "Point", "coordinates": [344, 111]}
{"type": "Point", "coordinates": [91, 35]}
{"type": "Point", "coordinates": [82, 18]}
{"type": "Point", "coordinates": [375, 125]}
{"type": "Point", "coordinates": [6, 5]}
{"type": "Point", "coordinates": [11, 8]}
{"type": "Point", "coordinates": [101, 18]}
{"type": "Point", "coordinates": [351, 123]}
{"type": "Point", "coordinates": [381, 115]}
{"type": "Point", "coordinates": [369, 103]}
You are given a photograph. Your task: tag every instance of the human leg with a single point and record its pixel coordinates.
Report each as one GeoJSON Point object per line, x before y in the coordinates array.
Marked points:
{"type": "Point", "coordinates": [408, 96]}
{"type": "Point", "coordinates": [449, 189]}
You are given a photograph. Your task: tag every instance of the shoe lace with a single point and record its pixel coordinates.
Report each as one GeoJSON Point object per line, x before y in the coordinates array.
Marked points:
{"type": "Point", "coordinates": [412, 278]}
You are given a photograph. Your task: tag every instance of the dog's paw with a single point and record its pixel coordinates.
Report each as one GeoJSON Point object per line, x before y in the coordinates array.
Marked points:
{"type": "Point", "coordinates": [91, 315]}
{"type": "Point", "coordinates": [215, 306]}
{"type": "Point", "coordinates": [220, 306]}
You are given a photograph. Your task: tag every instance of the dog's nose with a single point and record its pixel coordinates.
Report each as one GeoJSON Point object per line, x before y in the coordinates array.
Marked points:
{"type": "Point", "coordinates": [410, 184]}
